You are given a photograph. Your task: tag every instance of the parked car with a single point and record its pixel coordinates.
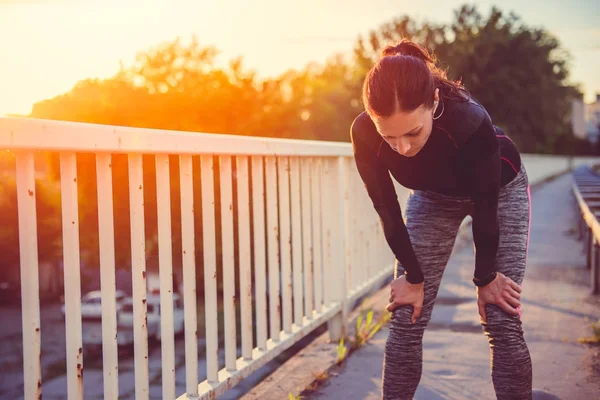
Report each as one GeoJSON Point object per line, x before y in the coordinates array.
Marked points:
{"type": "Point", "coordinates": [92, 336]}
{"type": "Point", "coordinates": [125, 320]}
{"type": "Point", "coordinates": [91, 304]}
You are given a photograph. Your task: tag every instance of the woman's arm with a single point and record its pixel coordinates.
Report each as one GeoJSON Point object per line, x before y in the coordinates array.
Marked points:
{"type": "Point", "coordinates": [380, 188]}
{"type": "Point", "coordinates": [483, 163]}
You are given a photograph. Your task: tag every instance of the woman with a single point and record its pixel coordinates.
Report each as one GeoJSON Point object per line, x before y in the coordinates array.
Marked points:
{"type": "Point", "coordinates": [434, 138]}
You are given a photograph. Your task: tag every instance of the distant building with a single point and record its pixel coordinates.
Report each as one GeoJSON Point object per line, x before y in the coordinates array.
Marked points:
{"type": "Point", "coordinates": [592, 119]}
{"type": "Point", "coordinates": [578, 118]}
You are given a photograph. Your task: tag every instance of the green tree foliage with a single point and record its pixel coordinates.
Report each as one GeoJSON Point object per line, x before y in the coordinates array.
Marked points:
{"type": "Point", "coordinates": [519, 74]}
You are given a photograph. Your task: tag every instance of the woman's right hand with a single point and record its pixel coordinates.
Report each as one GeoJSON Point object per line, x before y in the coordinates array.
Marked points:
{"type": "Point", "coordinates": [503, 292]}
{"type": "Point", "coordinates": [406, 293]}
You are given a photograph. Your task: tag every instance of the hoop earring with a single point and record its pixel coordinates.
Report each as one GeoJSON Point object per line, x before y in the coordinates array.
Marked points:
{"type": "Point", "coordinates": [434, 117]}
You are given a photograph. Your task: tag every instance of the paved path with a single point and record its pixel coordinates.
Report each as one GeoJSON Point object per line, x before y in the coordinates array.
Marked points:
{"type": "Point", "coordinates": [557, 310]}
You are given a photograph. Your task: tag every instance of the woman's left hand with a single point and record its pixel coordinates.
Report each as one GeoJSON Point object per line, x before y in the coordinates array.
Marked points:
{"type": "Point", "coordinates": [503, 292]}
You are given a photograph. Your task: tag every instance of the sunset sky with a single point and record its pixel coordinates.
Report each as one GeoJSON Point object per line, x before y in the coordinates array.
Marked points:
{"type": "Point", "coordinates": [47, 46]}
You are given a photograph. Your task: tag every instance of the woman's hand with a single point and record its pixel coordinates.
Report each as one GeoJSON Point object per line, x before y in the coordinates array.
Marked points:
{"type": "Point", "coordinates": [406, 293]}
{"type": "Point", "coordinates": [503, 292]}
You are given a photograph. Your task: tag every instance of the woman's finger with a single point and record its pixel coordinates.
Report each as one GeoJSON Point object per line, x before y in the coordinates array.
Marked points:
{"type": "Point", "coordinates": [416, 313]}
{"type": "Point", "coordinates": [514, 293]}
{"type": "Point", "coordinates": [515, 286]}
{"type": "Point", "coordinates": [511, 300]}
{"type": "Point", "coordinates": [482, 313]}
{"type": "Point", "coordinates": [508, 308]}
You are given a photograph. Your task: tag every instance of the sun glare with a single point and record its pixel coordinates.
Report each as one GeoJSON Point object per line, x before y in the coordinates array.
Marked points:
{"type": "Point", "coordinates": [55, 45]}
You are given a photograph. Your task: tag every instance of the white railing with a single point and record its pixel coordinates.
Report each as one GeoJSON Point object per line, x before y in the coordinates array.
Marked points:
{"type": "Point", "coordinates": [316, 244]}
{"type": "Point", "coordinates": [317, 247]}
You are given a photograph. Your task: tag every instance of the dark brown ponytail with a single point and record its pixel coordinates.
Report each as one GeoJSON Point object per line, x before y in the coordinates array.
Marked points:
{"type": "Point", "coordinates": [404, 78]}
{"type": "Point", "coordinates": [408, 48]}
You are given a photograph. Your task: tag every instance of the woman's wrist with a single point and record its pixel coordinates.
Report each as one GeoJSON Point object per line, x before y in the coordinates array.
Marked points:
{"type": "Point", "coordinates": [486, 280]}
{"type": "Point", "coordinates": [411, 279]}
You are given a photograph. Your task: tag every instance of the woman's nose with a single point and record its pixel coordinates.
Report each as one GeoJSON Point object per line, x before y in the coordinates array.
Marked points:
{"type": "Point", "coordinates": [402, 146]}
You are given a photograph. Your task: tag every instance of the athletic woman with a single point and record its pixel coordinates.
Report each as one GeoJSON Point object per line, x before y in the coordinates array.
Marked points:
{"type": "Point", "coordinates": [428, 133]}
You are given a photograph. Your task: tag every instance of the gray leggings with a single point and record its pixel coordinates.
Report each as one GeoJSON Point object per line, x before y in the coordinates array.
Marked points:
{"type": "Point", "coordinates": [432, 221]}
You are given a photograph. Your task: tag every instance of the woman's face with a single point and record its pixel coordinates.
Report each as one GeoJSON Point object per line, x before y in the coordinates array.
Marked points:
{"type": "Point", "coordinates": [407, 132]}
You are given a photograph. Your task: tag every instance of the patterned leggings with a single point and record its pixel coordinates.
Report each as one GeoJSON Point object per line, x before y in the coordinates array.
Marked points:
{"type": "Point", "coordinates": [432, 222]}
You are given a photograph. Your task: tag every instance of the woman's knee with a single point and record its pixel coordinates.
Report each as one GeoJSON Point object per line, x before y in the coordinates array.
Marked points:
{"type": "Point", "coordinates": [501, 327]}
{"type": "Point", "coordinates": [401, 326]}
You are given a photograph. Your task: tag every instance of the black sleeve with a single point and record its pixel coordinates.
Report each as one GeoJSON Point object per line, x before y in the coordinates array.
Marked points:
{"type": "Point", "coordinates": [482, 155]}
{"type": "Point", "coordinates": [380, 188]}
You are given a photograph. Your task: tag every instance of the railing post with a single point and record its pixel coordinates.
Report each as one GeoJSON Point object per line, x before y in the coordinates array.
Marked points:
{"type": "Point", "coordinates": [340, 251]}
{"type": "Point", "coordinates": [30, 280]}
{"type": "Point", "coordinates": [108, 284]}
{"type": "Point", "coordinates": [71, 260]}
{"type": "Point", "coordinates": [595, 273]}
{"type": "Point", "coordinates": [589, 248]}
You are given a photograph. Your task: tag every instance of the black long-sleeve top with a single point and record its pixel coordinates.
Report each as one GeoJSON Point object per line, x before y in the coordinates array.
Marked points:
{"type": "Point", "coordinates": [465, 156]}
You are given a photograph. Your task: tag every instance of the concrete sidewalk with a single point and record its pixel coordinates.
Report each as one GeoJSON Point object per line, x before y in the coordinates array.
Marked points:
{"type": "Point", "coordinates": [557, 310]}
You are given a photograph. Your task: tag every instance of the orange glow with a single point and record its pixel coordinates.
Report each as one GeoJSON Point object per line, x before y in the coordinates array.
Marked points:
{"type": "Point", "coordinates": [54, 45]}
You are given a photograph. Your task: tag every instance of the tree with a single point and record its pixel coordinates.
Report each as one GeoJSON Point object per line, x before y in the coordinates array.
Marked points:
{"type": "Point", "coordinates": [518, 73]}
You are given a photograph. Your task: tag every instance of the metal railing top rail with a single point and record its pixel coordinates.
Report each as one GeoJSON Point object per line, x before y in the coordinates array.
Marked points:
{"type": "Point", "coordinates": [587, 214]}
{"type": "Point", "coordinates": [48, 135]}
{"type": "Point", "coordinates": [586, 189]}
